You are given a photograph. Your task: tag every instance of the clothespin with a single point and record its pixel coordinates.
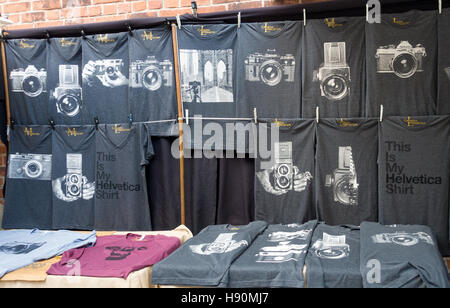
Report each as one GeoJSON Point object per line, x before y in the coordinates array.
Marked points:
{"type": "Point", "coordinates": [255, 116]}
{"type": "Point", "coordinates": [381, 113]}
{"type": "Point", "coordinates": [96, 122]}
{"type": "Point", "coordinates": [130, 119]}
{"type": "Point", "coordinates": [178, 21]}
{"type": "Point", "coordinates": [130, 30]}
{"type": "Point", "coordinates": [367, 12]}
{"type": "Point", "coordinates": [239, 20]}
{"type": "Point", "coordinates": [12, 123]}
{"type": "Point", "coordinates": [194, 8]}
{"type": "Point", "coordinates": [440, 6]}
{"type": "Point", "coordinates": [52, 123]}
{"type": "Point", "coordinates": [304, 17]}
{"type": "Point", "coordinates": [317, 114]}
{"type": "Point", "coordinates": [48, 36]}
{"type": "Point", "coordinates": [186, 115]}
{"type": "Point", "coordinates": [83, 34]}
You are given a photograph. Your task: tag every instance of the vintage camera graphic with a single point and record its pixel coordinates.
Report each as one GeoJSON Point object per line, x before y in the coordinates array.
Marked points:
{"type": "Point", "coordinates": [334, 73]}
{"type": "Point", "coordinates": [31, 81]}
{"type": "Point", "coordinates": [30, 166]}
{"type": "Point", "coordinates": [222, 244]}
{"type": "Point", "coordinates": [270, 68]}
{"type": "Point", "coordinates": [344, 180]}
{"type": "Point", "coordinates": [328, 250]}
{"type": "Point", "coordinates": [403, 60]}
{"type": "Point", "coordinates": [284, 252]}
{"type": "Point", "coordinates": [403, 238]}
{"type": "Point", "coordinates": [68, 93]}
{"type": "Point", "coordinates": [108, 68]}
{"type": "Point", "coordinates": [281, 236]}
{"type": "Point", "coordinates": [74, 177]}
{"type": "Point", "coordinates": [17, 248]}
{"type": "Point", "coordinates": [284, 166]}
{"type": "Point", "coordinates": [151, 73]}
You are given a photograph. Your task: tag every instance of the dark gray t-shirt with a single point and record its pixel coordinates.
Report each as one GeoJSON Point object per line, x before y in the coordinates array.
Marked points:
{"type": "Point", "coordinates": [27, 76]}
{"type": "Point", "coordinates": [205, 259]}
{"type": "Point", "coordinates": [333, 258]}
{"type": "Point", "coordinates": [268, 69]}
{"type": "Point", "coordinates": [65, 105]}
{"type": "Point", "coordinates": [284, 179]}
{"type": "Point", "coordinates": [28, 202]}
{"type": "Point", "coordinates": [73, 177]}
{"type": "Point", "coordinates": [406, 256]}
{"type": "Point", "coordinates": [207, 69]}
{"type": "Point", "coordinates": [275, 259]}
{"type": "Point", "coordinates": [121, 201]}
{"type": "Point", "coordinates": [414, 173]}
{"type": "Point", "coordinates": [105, 76]}
{"type": "Point", "coordinates": [333, 60]}
{"type": "Point", "coordinates": [346, 171]}
{"type": "Point", "coordinates": [401, 58]}
{"type": "Point", "coordinates": [443, 106]}
{"type": "Point", "coordinates": [152, 95]}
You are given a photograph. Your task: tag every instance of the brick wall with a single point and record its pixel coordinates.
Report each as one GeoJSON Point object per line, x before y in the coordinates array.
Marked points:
{"type": "Point", "coordinates": [49, 13]}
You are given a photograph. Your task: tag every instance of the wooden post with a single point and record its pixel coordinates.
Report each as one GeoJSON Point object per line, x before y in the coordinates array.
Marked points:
{"type": "Point", "coordinates": [5, 79]}
{"type": "Point", "coordinates": [180, 122]}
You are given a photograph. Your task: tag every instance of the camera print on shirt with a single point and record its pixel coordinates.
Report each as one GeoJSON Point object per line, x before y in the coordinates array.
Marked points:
{"type": "Point", "coordinates": [403, 59]}
{"type": "Point", "coordinates": [222, 244]}
{"type": "Point", "coordinates": [67, 96]}
{"type": "Point", "coordinates": [16, 248]}
{"type": "Point", "coordinates": [403, 238]}
{"type": "Point", "coordinates": [344, 181]}
{"type": "Point", "coordinates": [334, 73]}
{"type": "Point", "coordinates": [206, 76]}
{"type": "Point", "coordinates": [30, 166]}
{"type": "Point", "coordinates": [31, 81]}
{"type": "Point", "coordinates": [151, 74]}
{"type": "Point", "coordinates": [109, 72]}
{"type": "Point", "coordinates": [331, 247]}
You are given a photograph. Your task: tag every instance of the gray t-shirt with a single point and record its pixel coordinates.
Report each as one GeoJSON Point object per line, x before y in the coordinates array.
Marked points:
{"type": "Point", "coordinates": [121, 201]}
{"type": "Point", "coordinates": [284, 176]}
{"type": "Point", "coordinates": [275, 259]}
{"type": "Point", "coordinates": [333, 258]}
{"type": "Point", "coordinates": [205, 259]}
{"type": "Point", "coordinates": [443, 106]}
{"type": "Point", "coordinates": [346, 171]}
{"type": "Point", "coordinates": [65, 105]}
{"type": "Point", "coordinates": [152, 95]}
{"type": "Point", "coordinates": [207, 69]}
{"type": "Point", "coordinates": [268, 69]}
{"type": "Point", "coordinates": [73, 177]}
{"type": "Point", "coordinates": [401, 256]}
{"type": "Point", "coordinates": [27, 76]}
{"type": "Point", "coordinates": [28, 202]}
{"type": "Point", "coordinates": [105, 77]}
{"type": "Point", "coordinates": [414, 173]}
{"type": "Point", "coordinates": [401, 59]}
{"type": "Point", "coordinates": [333, 60]}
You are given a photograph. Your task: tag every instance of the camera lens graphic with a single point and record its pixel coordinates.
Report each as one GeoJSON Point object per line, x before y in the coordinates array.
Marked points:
{"type": "Point", "coordinates": [152, 78]}
{"type": "Point", "coordinates": [111, 72]}
{"type": "Point", "coordinates": [271, 72]}
{"type": "Point", "coordinates": [405, 240]}
{"type": "Point", "coordinates": [404, 65]}
{"type": "Point", "coordinates": [33, 169]}
{"type": "Point", "coordinates": [216, 247]}
{"type": "Point", "coordinates": [331, 253]}
{"type": "Point", "coordinates": [283, 179]}
{"type": "Point", "coordinates": [345, 192]}
{"type": "Point", "coordinates": [335, 87]}
{"type": "Point", "coordinates": [32, 85]}
{"type": "Point", "coordinates": [69, 105]}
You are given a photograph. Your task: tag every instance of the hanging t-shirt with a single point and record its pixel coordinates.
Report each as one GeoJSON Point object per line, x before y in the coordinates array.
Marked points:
{"type": "Point", "coordinates": [207, 69]}
{"type": "Point", "coordinates": [334, 78]}
{"type": "Point", "coordinates": [268, 69]}
{"type": "Point", "coordinates": [105, 76]}
{"type": "Point", "coordinates": [275, 259]}
{"type": "Point", "coordinates": [414, 173]}
{"type": "Point", "coordinates": [346, 171]}
{"type": "Point", "coordinates": [27, 76]}
{"type": "Point", "coordinates": [152, 95]}
{"type": "Point", "coordinates": [404, 255]}
{"type": "Point", "coordinates": [121, 201]}
{"type": "Point", "coordinates": [65, 105]}
{"type": "Point", "coordinates": [443, 106]}
{"type": "Point", "coordinates": [19, 248]}
{"type": "Point", "coordinates": [205, 259]}
{"type": "Point", "coordinates": [28, 202]}
{"type": "Point", "coordinates": [284, 171]}
{"type": "Point", "coordinates": [333, 258]}
{"type": "Point", "coordinates": [115, 256]}
{"type": "Point", "coordinates": [401, 59]}
{"type": "Point", "coordinates": [73, 177]}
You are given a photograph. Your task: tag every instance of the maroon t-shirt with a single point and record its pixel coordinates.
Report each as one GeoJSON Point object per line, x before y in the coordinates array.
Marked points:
{"type": "Point", "coordinates": [115, 256]}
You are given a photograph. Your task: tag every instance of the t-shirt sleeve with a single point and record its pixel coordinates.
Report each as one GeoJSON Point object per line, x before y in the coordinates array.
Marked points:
{"type": "Point", "coordinates": [147, 151]}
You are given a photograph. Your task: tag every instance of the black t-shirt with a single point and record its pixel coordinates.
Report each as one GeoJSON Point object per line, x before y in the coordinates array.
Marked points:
{"type": "Point", "coordinates": [346, 171]}
{"type": "Point", "coordinates": [121, 201]}
{"type": "Point", "coordinates": [73, 177]}
{"type": "Point", "coordinates": [443, 106]}
{"type": "Point", "coordinates": [64, 82]}
{"type": "Point", "coordinates": [268, 69]}
{"type": "Point", "coordinates": [284, 175]}
{"type": "Point", "coordinates": [27, 76]}
{"type": "Point", "coordinates": [105, 76]}
{"type": "Point", "coordinates": [414, 173]}
{"type": "Point", "coordinates": [401, 59]}
{"type": "Point", "coordinates": [152, 95]}
{"type": "Point", "coordinates": [333, 60]}
{"type": "Point", "coordinates": [207, 69]}
{"type": "Point", "coordinates": [28, 202]}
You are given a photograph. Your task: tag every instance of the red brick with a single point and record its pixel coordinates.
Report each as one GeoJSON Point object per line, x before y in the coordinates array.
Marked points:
{"type": "Point", "coordinates": [86, 20]}
{"type": "Point", "coordinates": [173, 13]}
{"type": "Point", "coordinates": [46, 5]}
{"type": "Point", "coordinates": [94, 10]}
{"type": "Point", "coordinates": [53, 15]}
{"type": "Point", "coordinates": [109, 18]}
{"type": "Point", "coordinates": [243, 6]}
{"type": "Point", "coordinates": [139, 6]}
{"type": "Point", "coordinates": [74, 12]}
{"type": "Point", "coordinates": [14, 17]}
{"type": "Point", "coordinates": [104, 1]}
{"type": "Point", "coordinates": [171, 3]}
{"type": "Point", "coordinates": [154, 4]}
{"type": "Point", "coordinates": [142, 15]}
{"type": "Point", "coordinates": [222, 1]}
{"type": "Point", "coordinates": [187, 3]}
{"type": "Point", "coordinates": [211, 9]}
{"type": "Point", "coordinates": [109, 9]}
{"type": "Point", "coordinates": [74, 3]}
{"type": "Point", "coordinates": [33, 17]}
{"type": "Point", "coordinates": [16, 7]}
{"type": "Point", "coordinates": [123, 8]}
